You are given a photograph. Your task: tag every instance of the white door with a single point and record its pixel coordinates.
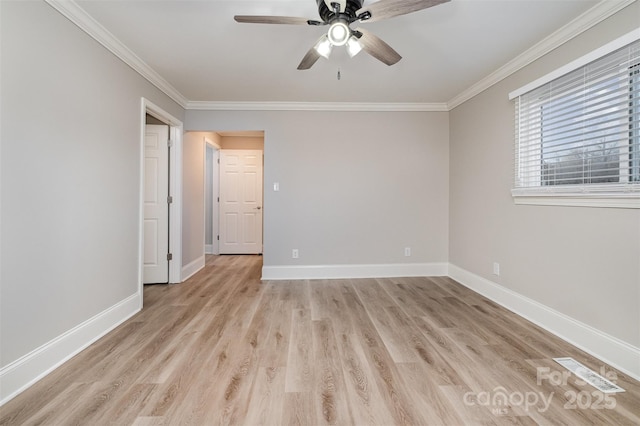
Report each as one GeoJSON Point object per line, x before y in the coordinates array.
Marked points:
{"type": "Point", "coordinates": [240, 201]}
{"type": "Point", "coordinates": [156, 207]}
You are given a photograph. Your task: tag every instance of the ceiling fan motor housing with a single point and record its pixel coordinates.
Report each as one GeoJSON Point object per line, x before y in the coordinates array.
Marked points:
{"type": "Point", "coordinates": [327, 15]}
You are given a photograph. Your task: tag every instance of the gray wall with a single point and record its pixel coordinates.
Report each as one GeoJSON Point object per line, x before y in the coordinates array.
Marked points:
{"type": "Point", "coordinates": [583, 262]}
{"type": "Point", "coordinates": [355, 187]}
{"type": "Point", "coordinates": [192, 197]}
{"type": "Point", "coordinates": [241, 142]}
{"type": "Point", "coordinates": [70, 176]}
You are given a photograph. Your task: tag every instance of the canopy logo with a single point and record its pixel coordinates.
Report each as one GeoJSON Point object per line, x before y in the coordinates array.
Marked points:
{"type": "Point", "coordinates": [501, 401]}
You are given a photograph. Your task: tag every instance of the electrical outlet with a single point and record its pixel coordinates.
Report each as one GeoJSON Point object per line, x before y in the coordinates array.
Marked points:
{"type": "Point", "coordinates": [294, 254]}
{"type": "Point", "coordinates": [407, 251]}
{"type": "Point", "coordinates": [496, 268]}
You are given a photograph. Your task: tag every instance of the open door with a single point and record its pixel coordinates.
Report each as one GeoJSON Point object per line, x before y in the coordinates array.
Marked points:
{"type": "Point", "coordinates": [156, 204]}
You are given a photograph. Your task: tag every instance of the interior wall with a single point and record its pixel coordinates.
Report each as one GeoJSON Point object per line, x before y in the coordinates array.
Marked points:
{"type": "Point", "coordinates": [582, 262]}
{"type": "Point", "coordinates": [70, 180]}
{"type": "Point", "coordinates": [241, 142]}
{"type": "Point", "coordinates": [358, 194]}
{"type": "Point", "coordinates": [193, 209]}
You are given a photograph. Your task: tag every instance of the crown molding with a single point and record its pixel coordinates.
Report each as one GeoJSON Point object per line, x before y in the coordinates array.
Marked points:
{"type": "Point", "coordinates": [72, 11]}
{"type": "Point", "coordinates": [587, 20]}
{"type": "Point", "coordinates": [315, 106]}
{"type": "Point", "coordinates": [601, 11]}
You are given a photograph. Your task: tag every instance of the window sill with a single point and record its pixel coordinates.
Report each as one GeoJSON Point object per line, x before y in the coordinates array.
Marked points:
{"type": "Point", "coordinates": [613, 200]}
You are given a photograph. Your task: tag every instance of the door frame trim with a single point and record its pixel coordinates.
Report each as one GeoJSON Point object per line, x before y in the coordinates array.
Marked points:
{"type": "Point", "coordinates": [175, 189]}
{"type": "Point", "coordinates": [215, 220]}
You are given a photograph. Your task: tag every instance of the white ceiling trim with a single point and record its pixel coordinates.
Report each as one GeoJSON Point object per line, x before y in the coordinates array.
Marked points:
{"type": "Point", "coordinates": [71, 10]}
{"type": "Point", "coordinates": [590, 18]}
{"type": "Point", "coordinates": [316, 106]}
{"type": "Point", "coordinates": [85, 22]}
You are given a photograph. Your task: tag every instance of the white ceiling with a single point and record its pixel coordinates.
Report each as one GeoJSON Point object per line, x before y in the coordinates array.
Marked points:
{"type": "Point", "coordinates": [199, 49]}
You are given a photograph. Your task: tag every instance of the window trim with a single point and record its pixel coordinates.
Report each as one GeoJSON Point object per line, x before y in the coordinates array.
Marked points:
{"type": "Point", "coordinates": [623, 196]}
{"type": "Point", "coordinates": [611, 200]}
{"type": "Point", "coordinates": [612, 46]}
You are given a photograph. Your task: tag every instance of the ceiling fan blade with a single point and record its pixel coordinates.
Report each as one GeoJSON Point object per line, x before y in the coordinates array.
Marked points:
{"type": "Point", "coordinates": [377, 48]}
{"type": "Point", "coordinates": [288, 20]}
{"type": "Point", "coordinates": [309, 59]}
{"type": "Point", "coordinates": [384, 9]}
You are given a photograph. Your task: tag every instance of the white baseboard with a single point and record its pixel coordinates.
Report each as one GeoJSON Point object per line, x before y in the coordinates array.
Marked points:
{"type": "Point", "coordinates": [609, 349]}
{"type": "Point", "coordinates": [25, 371]}
{"type": "Point", "coordinates": [209, 249]}
{"type": "Point", "coordinates": [312, 272]}
{"type": "Point", "coordinates": [189, 270]}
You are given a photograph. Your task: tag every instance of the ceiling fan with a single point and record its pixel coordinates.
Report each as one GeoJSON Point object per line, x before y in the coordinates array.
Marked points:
{"type": "Point", "coordinates": [339, 15]}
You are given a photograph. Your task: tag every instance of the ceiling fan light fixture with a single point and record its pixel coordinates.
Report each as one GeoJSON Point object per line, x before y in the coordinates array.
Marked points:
{"type": "Point", "coordinates": [324, 47]}
{"type": "Point", "coordinates": [353, 46]}
{"type": "Point", "coordinates": [339, 33]}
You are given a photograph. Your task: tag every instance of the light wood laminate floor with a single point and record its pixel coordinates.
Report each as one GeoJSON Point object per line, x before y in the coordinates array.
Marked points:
{"type": "Point", "coordinates": [224, 348]}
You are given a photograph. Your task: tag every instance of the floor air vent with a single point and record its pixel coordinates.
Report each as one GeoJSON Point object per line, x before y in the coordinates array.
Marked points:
{"type": "Point", "coordinates": [589, 375]}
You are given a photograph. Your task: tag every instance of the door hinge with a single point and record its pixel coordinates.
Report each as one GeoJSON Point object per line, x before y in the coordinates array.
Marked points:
{"type": "Point", "coordinates": [169, 256]}
{"type": "Point", "coordinates": [218, 237]}
{"type": "Point", "coordinates": [218, 199]}
{"type": "Point", "coordinates": [169, 199]}
{"type": "Point", "coordinates": [170, 143]}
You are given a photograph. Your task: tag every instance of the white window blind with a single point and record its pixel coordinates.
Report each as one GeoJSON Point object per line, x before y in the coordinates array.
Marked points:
{"type": "Point", "coordinates": [580, 132]}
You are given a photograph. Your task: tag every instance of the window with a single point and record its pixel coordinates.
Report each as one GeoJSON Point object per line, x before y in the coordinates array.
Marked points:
{"type": "Point", "coordinates": [578, 130]}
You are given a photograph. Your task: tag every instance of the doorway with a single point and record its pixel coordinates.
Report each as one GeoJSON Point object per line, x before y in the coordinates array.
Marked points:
{"type": "Point", "coordinates": [238, 202]}
{"type": "Point", "coordinates": [211, 196]}
{"type": "Point", "coordinates": [173, 166]}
